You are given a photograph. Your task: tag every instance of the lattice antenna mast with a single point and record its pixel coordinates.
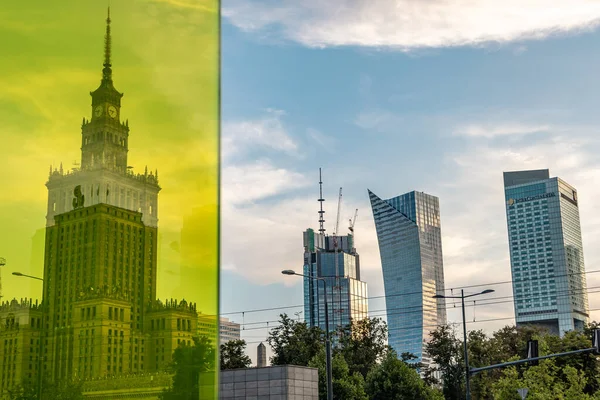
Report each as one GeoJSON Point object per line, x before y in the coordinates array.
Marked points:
{"type": "Point", "coordinates": [321, 200]}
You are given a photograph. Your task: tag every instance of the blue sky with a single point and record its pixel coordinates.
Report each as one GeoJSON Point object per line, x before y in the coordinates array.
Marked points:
{"type": "Point", "coordinates": [441, 98]}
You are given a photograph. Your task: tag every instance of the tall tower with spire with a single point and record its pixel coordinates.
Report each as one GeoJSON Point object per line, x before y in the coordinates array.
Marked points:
{"type": "Point", "coordinates": [104, 175]}
{"type": "Point", "coordinates": [101, 316]}
{"type": "Point", "coordinates": [334, 259]}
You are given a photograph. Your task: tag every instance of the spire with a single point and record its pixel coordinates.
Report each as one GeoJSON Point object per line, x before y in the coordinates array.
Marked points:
{"type": "Point", "coordinates": [107, 71]}
{"type": "Point", "coordinates": [321, 200]}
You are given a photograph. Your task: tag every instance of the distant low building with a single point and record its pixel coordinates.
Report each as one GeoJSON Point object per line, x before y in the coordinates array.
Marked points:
{"type": "Point", "coordinates": [228, 330]}
{"type": "Point", "coordinates": [20, 326]}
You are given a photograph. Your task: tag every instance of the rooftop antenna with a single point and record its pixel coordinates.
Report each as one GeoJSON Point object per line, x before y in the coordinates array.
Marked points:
{"type": "Point", "coordinates": [321, 200]}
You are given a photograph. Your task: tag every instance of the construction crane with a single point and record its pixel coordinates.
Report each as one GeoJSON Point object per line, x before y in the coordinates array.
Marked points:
{"type": "Point", "coordinates": [337, 221]}
{"type": "Point", "coordinates": [353, 221]}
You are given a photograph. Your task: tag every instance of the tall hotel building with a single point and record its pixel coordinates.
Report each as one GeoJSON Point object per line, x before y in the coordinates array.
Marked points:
{"type": "Point", "coordinates": [410, 246]}
{"type": "Point", "coordinates": [546, 251]}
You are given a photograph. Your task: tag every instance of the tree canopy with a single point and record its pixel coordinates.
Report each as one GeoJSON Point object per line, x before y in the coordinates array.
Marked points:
{"type": "Point", "coordinates": [346, 385]}
{"type": "Point", "coordinates": [188, 363]}
{"type": "Point", "coordinates": [233, 355]}
{"type": "Point", "coordinates": [294, 343]}
{"type": "Point", "coordinates": [394, 379]}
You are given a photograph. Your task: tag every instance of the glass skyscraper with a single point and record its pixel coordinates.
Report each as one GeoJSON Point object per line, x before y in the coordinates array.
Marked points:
{"type": "Point", "coordinates": [410, 245]}
{"type": "Point", "coordinates": [546, 251]}
{"type": "Point", "coordinates": [346, 293]}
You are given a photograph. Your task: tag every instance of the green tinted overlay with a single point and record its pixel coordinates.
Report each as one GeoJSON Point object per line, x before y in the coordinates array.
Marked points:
{"type": "Point", "coordinates": [109, 199]}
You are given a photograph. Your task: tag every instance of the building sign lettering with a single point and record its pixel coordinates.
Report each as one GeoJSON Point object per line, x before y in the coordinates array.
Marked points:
{"type": "Point", "coordinates": [510, 202]}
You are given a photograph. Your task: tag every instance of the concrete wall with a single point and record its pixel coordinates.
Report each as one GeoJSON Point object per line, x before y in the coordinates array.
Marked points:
{"type": "Point", "coordinates": [286, 382]}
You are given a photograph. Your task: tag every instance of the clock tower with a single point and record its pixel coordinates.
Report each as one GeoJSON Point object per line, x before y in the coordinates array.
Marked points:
{"type": "Point", "coordinates": [104, 175]}
{"type": "Point", "coordinates": [105, 137]}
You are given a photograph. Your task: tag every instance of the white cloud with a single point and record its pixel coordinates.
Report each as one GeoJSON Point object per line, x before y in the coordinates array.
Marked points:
{"type": "Point", "coordinates": [379, 121]}
{"type": "Point", "coordinates": [410, 24]}
{"type": "Point", "coordinates": [261, 239]}
{"type": "Point", "coordinates": [256, 234]}
{"type": "Point", "coordinates": [243, 184]}
{"type": "Point", "coordinates": [263, 133]}
{"type": "Point", "coordinates": [323, 140]}
{"type": "Point", "coordinates": [493, 130]}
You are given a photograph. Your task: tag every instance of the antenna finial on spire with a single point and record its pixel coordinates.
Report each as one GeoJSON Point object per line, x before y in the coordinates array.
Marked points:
{"type": "Point", "coordinates": [107, 72]}
{"type": "Point", "coordinates": [107, 41]}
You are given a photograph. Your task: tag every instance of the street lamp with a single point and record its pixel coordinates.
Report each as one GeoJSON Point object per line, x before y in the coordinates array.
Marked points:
{"type": "Point", "coordinates": [327, 340]}
{"type": "Point", "coordinates": [463, 297]}
{"type": "Point", "coordinates": [40, 357]}
{"type": "Point", "coordinates": [27, 276]}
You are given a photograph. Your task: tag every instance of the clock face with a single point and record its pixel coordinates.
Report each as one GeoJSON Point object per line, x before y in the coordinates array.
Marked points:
{"type": "Point", "coordinates": [112, 111]}
{"type": "Point", "coordinates": [98, 111]}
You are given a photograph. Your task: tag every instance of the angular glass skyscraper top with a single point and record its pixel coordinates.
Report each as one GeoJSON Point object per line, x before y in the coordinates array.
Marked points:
{"type": "Point", "coordinates": [410, 246]}
{"type": "Point", "coordinates": [546, 251]}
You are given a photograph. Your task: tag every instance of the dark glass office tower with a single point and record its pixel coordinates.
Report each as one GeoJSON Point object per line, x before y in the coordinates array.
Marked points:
{"type": "Point", "coordinates": [410, 246]}
{"type": "Point", "coordinates": [334, 259]}
{"type": "Point", "coordinates": [546, 251]}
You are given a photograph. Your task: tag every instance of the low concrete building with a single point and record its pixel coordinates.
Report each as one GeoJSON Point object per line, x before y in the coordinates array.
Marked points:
{"type": "Point", "coordinates": [285, 382]}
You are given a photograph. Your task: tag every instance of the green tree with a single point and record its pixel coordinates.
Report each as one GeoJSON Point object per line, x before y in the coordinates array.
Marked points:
{"type": "Point", "coordinates": [294, 343]}
{"type": "Point", "coordinates": [26, 391]}
{"type": "Point", "coordinates": [233, 355]}
{"type": "Point", "coordinates": [481, 355]}
{"type": "Point", "coordinates": [588, 363]}
{"type": "Point", "coordinates": [511, 341]}
{"type": "Point", "coordinates": [393, 379]}
{"type": "Point", "coordinates": [543, 382]}
{"type": "Point", "coordinates": [346, 386]}
{"type": "Point", "coordinates": [446, 352]}
{"type": "Point", "coordinates": [363, 344]}
{"type": "Point", "coordinates": [188, 363]}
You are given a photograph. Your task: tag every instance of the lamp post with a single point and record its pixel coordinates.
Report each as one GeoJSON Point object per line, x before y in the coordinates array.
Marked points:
{"type": "Point", "coordinates": [27, 276]}
{"type": "Point", "coordinates": [462, 297]}
{"type": "Point", "coordinates": [327, 339]}
{"type": "Point", "coordinates": [40, 357]}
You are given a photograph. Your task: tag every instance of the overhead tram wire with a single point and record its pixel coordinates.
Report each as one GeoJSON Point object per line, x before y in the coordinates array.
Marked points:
{"type": "Point", "coordinates": [480, 303]}
{"type": "Point", "coordinates": [438, 325]}
{"type": "Point", "coordinates": [418, 292]}
{"type": "Point", "coordinates": [386, 311]}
